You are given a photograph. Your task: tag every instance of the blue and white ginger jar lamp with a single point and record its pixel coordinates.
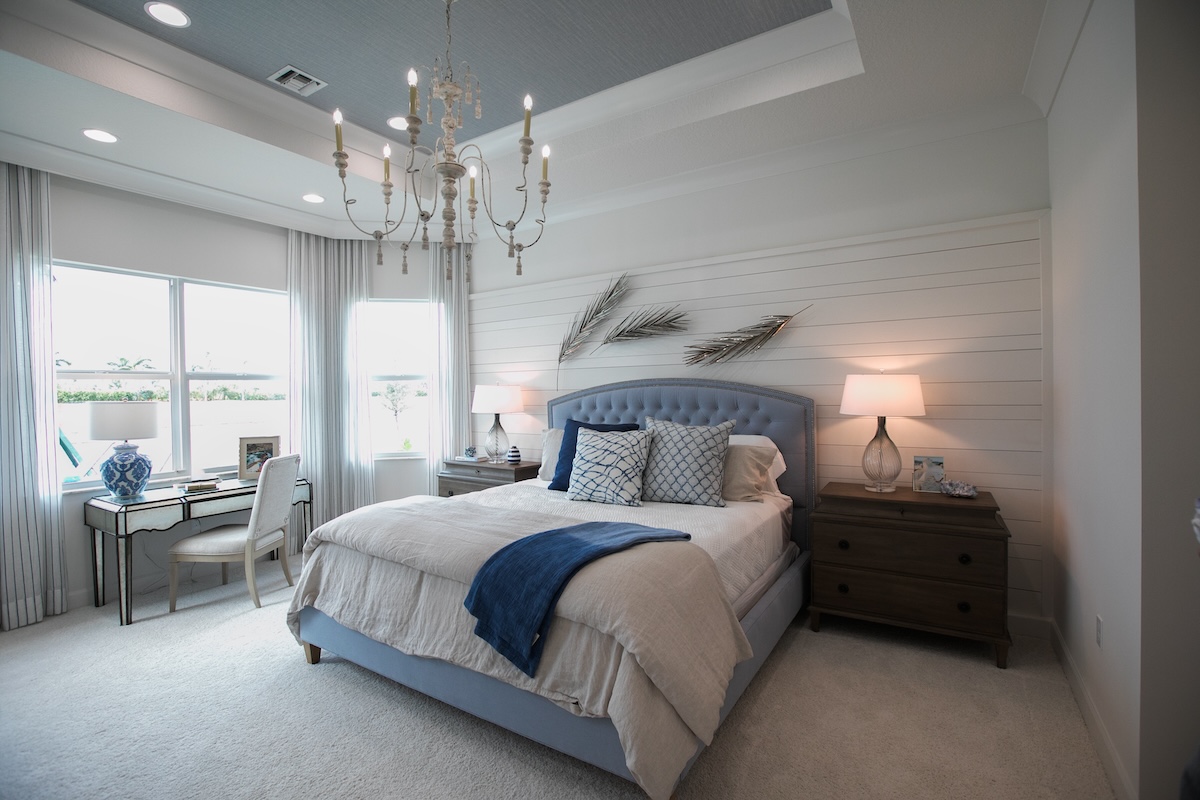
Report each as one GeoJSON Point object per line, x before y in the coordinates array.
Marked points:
{"type": "Point", "coordinates": [126, 471]}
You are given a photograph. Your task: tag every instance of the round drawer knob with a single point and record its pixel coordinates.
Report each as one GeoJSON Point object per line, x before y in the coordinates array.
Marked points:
{"type": "Point", "coordinates": [843, 588]}
{"type": "Point", "coordinates": [964, 559]}
{"type": "Point", "coordinates": [843, 544]}
{"type": "Point", "coordinates": [964, 607]}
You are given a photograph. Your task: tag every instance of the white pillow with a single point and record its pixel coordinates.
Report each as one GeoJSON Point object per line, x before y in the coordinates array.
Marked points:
{"type": "Point", "coordinates": [747, 472]}
{"type": "Point", "coordinates": [608, 467]}
{"type": "Point", "coordinates": [778, 467]}
{"type": "Point", "coordinates": [686, 462]}
{"type": "Point", "coordinates": [551, 444]}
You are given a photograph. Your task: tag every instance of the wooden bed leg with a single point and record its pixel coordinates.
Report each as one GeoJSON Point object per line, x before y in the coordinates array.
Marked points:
{"type": "Point", "coordinates": [312, 653]}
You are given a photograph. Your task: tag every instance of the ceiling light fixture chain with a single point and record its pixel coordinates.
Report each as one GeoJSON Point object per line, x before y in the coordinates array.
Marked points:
{"type": "Point", "coordinates": [446, 168]}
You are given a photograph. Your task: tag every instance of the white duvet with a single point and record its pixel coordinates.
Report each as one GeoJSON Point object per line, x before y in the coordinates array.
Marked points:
{"type": "Point", "coordinates": [647, 637]}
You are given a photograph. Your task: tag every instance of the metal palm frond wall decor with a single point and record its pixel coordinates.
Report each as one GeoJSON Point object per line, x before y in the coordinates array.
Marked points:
{"type": "Point", "coordinates": [743, 341]}
{"type": "Point", "coordinates": [592, 317]}
{"type": "Point", "coordinates": [646, 323]}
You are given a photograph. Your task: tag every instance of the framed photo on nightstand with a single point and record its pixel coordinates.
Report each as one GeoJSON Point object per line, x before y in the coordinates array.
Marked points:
{"type": "Point", "coordinates": [928, 473]}
{"type": "Point", "coordinates": [253, 451]}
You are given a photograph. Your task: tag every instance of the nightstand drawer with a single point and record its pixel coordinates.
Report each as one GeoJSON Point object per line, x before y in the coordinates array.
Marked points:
{"type": "Point", "coordinates": [915, 601]}
{"type": "Point", "coordinates": [450, 486]}
{"type": "Point", "coordinates": [914, 552]}
{"type": "Point", "coordinates": [462, 477]}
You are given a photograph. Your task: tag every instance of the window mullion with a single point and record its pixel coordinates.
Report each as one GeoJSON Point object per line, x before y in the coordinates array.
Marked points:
{"type": "Point", "coordinates": [181, 415]}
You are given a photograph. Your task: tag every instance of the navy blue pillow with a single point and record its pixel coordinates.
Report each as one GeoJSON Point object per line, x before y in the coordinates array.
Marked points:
{"type": "Point", "coordinates": [566, 453]}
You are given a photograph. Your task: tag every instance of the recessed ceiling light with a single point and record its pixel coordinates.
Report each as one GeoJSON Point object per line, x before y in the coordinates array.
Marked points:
{"type": "Point", "coordinates": [399, 123]}
{"type": "Point", "coordinates": [314, 198]}
{"type": "Point", "coordinates": [168, 15]}
{"type": "Point", "coordinates": [98, 135]}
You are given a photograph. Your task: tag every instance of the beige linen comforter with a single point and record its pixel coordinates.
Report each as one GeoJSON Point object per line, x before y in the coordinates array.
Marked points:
{"type": "Point", "coordinates": [645, 637]}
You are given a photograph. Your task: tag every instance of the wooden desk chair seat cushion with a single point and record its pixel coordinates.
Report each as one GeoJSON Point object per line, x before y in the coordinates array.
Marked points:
{"type": "Point", "coordinates": [265, 532]}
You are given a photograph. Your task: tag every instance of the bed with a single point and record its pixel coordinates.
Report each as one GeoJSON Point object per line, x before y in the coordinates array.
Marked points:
{"type": "Point", "coordinates": [350, 630]}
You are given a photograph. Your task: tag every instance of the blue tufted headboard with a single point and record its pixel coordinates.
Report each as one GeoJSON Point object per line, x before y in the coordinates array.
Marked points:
{"type": "Point", "coordinates": [786, 418]}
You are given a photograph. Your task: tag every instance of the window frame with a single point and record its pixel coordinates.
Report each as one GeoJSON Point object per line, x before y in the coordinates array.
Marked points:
{"type": "Point", "coordinates": [426, 307]}
{"type": "Point", "coordinates": [179, 379]}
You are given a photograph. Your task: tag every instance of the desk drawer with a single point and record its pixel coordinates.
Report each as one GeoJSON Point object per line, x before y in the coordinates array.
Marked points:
{"type": "Point", "coordinates": [937, 604]}
{"type": "Point", "coordinates": [968, 559]}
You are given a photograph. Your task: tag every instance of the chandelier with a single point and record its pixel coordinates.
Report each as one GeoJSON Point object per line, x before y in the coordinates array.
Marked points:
{"type": "Point", "coordinates": [446, 166]}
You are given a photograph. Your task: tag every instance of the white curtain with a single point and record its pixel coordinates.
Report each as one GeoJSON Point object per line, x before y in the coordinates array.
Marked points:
{"type": "Point", "coordinates": [450, 395]}
{"type": "Point", "coordinates": [33, 570]}
{"type": "Point", "coordinates": [327, 282]}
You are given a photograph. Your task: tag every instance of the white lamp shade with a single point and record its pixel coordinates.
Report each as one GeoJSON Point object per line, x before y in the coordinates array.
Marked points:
{"type": "Point", "coordinates": [497, 399]}
{"type": "Point", "coordinates": [883, 395]}
{"type": "Point", "coordinates": [123, 420]}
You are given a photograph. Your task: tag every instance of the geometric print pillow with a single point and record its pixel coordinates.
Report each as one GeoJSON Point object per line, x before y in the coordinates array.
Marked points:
{"type": "Point", "coordinates": [608, 467]}
{"type": "Point", "coordinates": [686, 462]}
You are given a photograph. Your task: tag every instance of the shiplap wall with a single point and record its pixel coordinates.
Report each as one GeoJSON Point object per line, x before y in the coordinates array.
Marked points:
{"type": "Point", "coordinates": [960, 304]}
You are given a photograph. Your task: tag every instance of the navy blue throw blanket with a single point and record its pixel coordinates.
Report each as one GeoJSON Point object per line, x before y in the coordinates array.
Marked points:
{"type": "Point", "coordinates": [514, 593]}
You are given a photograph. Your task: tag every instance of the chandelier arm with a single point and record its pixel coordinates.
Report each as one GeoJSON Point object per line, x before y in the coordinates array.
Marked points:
{"type": "Point", "coordinates": [487, 201]}
{"type": "Point", "coordinates": [347, 201]}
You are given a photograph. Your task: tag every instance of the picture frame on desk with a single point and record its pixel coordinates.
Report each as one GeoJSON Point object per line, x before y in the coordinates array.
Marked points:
{"type": "Point", "coordinates": [253, 451]}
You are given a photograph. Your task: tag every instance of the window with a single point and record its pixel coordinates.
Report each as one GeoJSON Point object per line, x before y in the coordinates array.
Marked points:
{"type": "Point", "coordinates": [397, 346]}
{"type": "Point", "coordinates": [215, 357]}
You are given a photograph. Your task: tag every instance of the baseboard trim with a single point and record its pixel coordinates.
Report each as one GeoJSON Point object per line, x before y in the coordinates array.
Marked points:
{"type": "Point", "coordinates": [1118, 776]}
{"type": "Point", "coordinates": [1037, 627]}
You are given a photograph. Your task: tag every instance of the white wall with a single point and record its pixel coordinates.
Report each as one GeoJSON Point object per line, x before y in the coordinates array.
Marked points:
{"type": "Point", "coordinates": [906, 267]}
{"type": "Point", "coordinates": [1168, 110]}
{"type": "Point", "coordinates": [1098, 454]}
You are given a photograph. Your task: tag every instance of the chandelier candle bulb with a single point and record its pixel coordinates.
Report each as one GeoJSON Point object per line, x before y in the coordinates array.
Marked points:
{"type": "Point", "coordinates": [337, 128]}
{"type": "Point", "coordinates": [412, 92]}
{"type": "Point", "coordinates": [472, 172]}
{"type": "Point", "coordinates": [387, 163]}
{"type": "Point", "coordinates": [545, 162]}
{"type": "Point", "coordinates": [528, 111]}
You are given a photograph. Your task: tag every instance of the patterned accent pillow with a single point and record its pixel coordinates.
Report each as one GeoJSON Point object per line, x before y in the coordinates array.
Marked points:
{"type": "Point", "coordinates": [608, 467]}
{"type": "Point", "coordinates": [566, 450]}
{"type": "Point", "coordinates": [686, 463]}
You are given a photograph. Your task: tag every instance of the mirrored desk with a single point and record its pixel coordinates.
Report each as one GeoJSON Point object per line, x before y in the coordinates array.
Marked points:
{"type": "Point", "coordinates": [160, 510]}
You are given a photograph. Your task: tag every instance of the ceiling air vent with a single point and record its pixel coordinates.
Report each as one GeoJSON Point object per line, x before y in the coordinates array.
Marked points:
{"type": "Point", "coordinates": [296, 81]}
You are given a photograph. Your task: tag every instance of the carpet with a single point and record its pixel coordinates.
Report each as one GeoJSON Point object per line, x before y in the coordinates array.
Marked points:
{"type": "Point", "coordinates": [217, 701]}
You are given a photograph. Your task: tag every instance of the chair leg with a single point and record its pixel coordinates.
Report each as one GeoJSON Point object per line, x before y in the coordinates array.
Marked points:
{"type": "Point", "coordinates": [250, 577]}
{"type": "Point", "coordinates": [224, 572]}
{"type": "Point", "coordinates": [173, 572]}
{"type": "Point", "coordinates": [287, 572]}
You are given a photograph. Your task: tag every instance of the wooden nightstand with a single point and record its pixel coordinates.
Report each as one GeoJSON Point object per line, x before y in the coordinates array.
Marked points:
{"type": "Point", "coordinates": [461, 477]}
{"type": "Point", "coordinates": [914, 559]}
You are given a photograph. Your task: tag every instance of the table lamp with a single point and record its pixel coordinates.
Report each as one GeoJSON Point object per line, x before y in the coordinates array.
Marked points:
{"type": "Point", "coordinates": [125, 472]}
{"type": "Point", "coordinates": [882, 396]}
{"type": "Point", "coordinates": [496, 399]}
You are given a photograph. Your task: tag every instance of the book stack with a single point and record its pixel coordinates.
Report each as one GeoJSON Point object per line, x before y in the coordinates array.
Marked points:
{"type": "Point", "coordinates": [200, 485]}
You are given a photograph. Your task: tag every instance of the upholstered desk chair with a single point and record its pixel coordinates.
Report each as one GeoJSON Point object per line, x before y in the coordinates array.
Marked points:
{"type": "Point", "coordinates": [266, 531]}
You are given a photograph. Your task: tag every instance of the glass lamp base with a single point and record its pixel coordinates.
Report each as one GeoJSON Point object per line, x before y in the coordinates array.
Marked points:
{"type": "Point", "coordinates": [496, 443]}
{"type": "Point", "coordinates": [881, 461]}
